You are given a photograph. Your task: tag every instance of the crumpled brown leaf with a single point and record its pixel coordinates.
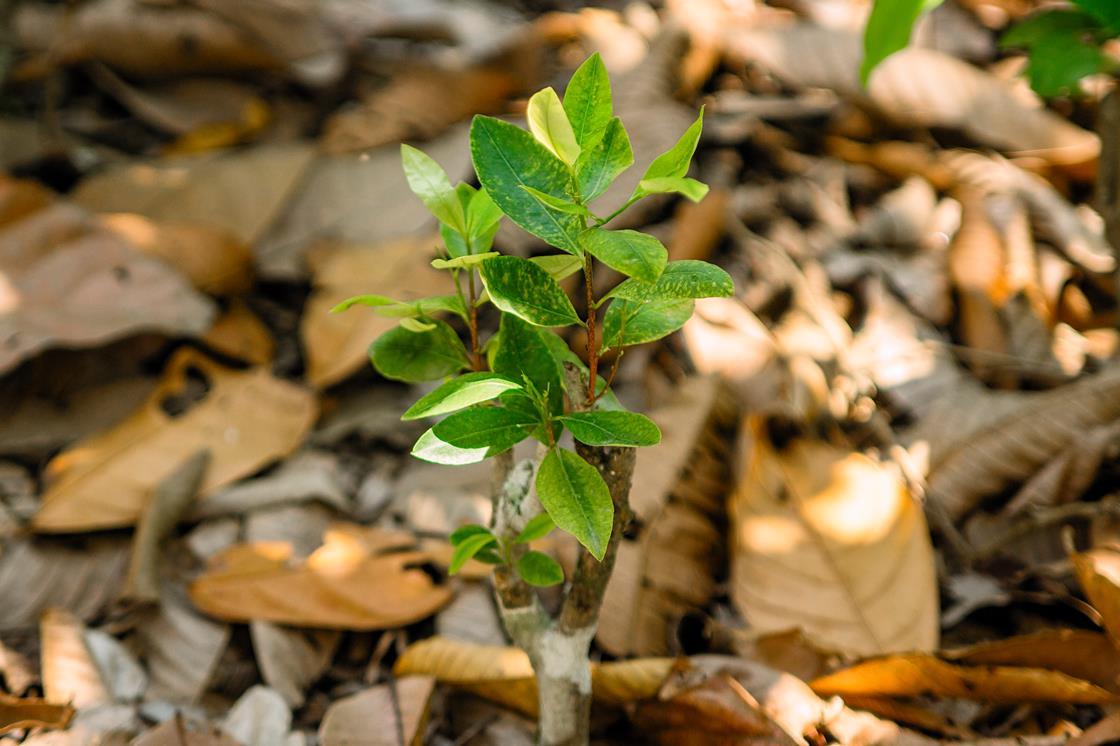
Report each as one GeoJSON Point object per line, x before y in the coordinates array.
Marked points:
{"type": "Point", "coordinates": [380, 716]}
{"type": "Point", "coordinates": [32, 712]}
{"type": "Point", "coordinates": [1089, 656]}
{"type": "Point", "coordinates": [1098, 570]}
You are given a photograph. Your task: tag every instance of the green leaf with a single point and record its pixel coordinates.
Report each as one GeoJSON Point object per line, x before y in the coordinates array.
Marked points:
{"type": "Point", "coordinates": [459, 393]}
{"type": "Point", "coordinates": [416, 325]}
{"type": "Point", "coordinates": [549, 124]}
{"type": "Point", "coordinates": [429, 447]}
{"type": "Point", "coordinates": [1105, 11]}
{"type": "Point", "coordinates": [690, 188]}
{"type": "Point", "coordinates": [537, 568]}
{"type": "Point", "coordinates": [674, 162]}
{"type": "Point", "coordinates": [429, 182]}
{"type": "Point", "coordinates": [524, 351]}
{"type": "Point", "coordinates": [489, 556]}
{"type": "Point", "coordinates": [587, 101]}
{"type": "Point", "coordinates": [555, 203]}
{"type": "Point", "coordinates": [888, 30]}
{"type": "Point", "coordinates": [687, 278]}
{"type": "Point", "coordinates": [418, 356]}
{"type": "Point", "coordinates": [599, 166]}
{"type": "Point", "coordinates": [396, 309]}
{"type": "Point", "coordinates": [467, 549]}
{"type": "Point", "coordinates": [520, 287]}
{"type": "Point", "coordinates": [612, 428]}
{"type": "Point", "coordinates": [558, 266]}
{"type": "Point", "coordinates": [494, 428]}
{"type": "Point", "coordinates": [463, 532]}
{"type": "Point", "coordinates": [577, 498]}
{"type": "Point", "coordinates": [630, 323]}
{"type": "Point", "coordinates": [632, 253]}
{"type": "Point", "coordinates": [373, 301]}
{"type": "Point", "coordinates": [482, 214]}
{"type": "Point", "coordinates": [462, 262]}
{"type": "Point", "coordinates": [537, 528]}
{"type": "Point", "coordinates": [506, 158]}
{"type": "Point", "coordinates": [1064, 48]}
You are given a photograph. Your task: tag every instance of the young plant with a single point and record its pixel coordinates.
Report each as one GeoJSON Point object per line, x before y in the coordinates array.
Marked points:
{"type": "Point", "coordinates": [524, 382]}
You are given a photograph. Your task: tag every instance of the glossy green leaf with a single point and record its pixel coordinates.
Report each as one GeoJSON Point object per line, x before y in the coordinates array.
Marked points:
{"type": "Point", "coordinates": [416, 325]}
{"type": "Point", "coordinates": [524, 351]}
{"type": "Point", "coordinates": [463, 532]}
{"type": "Point", "coordinates": [587, 101]}
{"type": "Point", "coordinates": [430, 447]}
{"type": "Point", "coordinates": [494, 428]}
{"type": "Point", "coordinates": [408, 356]}
{"type": "Point", "coordinates": [888, 30]}
{"type": "Point", "coordinates": [537, 528]}
{"type": "Point", "coordinates": [537, 568]}
{"type": "Point", "coordinates": [558, 266]}
{"type": "Point", "coordinates": [555, 203]}
{"type": "Point", "coordinates": [1064, 47]}
{"type": "Point", "coordinates": [630, 323]}
{"type": "Point", "coordinates": [373, 301]}
{"type": "Point", "coordinates": [549, 124]}
{"type": "Point", "coordinates": [632, 253]}
{"type": "Point", "coordinates": [462, 262]}
{"type": "Point", "coordinates": [520, 287]}
{"type": "Point", "coordinates": [690, 188]}
{"type": "Point", "coordinates": [429, 182]}
{"type": "Point", "coordinates": [506, 158]}
{"type": "Point", "coordinates": [467, 549]}
{"type": "Point", "coordinates": [600, 165]}
{"type": "Point", "coordinates": [687, 278]}
{"type": "Point", "coordinates": [459, 393]}
{"type": "Point", "coordinates": [482, 214]}
{"type": "Point", "coordinates": [612, 428]}
{"type": "Point", "coordinates": [577, 498]}
{"type": "Point", "coordinates": [674, 162]}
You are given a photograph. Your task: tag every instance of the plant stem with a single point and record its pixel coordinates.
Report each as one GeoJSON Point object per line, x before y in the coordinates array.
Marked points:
{"type": "Point", "coordinates": [616, 213]}
{"type": "Point", "coordinates": [476, 356]}
{"type": "Point", "coordinates": [592, 342]}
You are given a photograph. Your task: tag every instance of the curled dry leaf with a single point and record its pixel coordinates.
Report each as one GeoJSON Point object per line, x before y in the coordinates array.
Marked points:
{"type": "Point", "coordinates": [387, 715]}
{"type": "Point", "coordinates": [504, 674]}
{"type": "Point", "coordinates": [833, 542]}
{"type": "Point", "coordinates": [1098, 571]}
{"type": "Point", "coordinates": [32, 712]}
{"type": "Point", "coordinates": [347, 583]}
{"type": "Point", "coordinates": [246, 419]}
{"type": "Point", "coordinates": [1080, 654]}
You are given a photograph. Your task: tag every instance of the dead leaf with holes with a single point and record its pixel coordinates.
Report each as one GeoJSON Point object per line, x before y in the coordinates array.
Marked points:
{"type": "Point", "coordinates": [831, 541]}
{"type": "Point", "coordinates": [504, 674]}
{"type": "Point", "coordinates": [350, 582]}
{"type": "Point", "coordinates": [32, 712]}
{"type": "Point", "coordinates": [246, 419]}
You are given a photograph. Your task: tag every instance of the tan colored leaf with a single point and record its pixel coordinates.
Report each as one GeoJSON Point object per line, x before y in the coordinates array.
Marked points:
{"type": "Point", "coordinates": [337, 343]}
{"type": "Point", "coordinates": [291, 659]}
{"type": "Point", "coordinates": [1089, 656]}
{"type": "Point", "coordinates": [241, 334]}
{"type": "Point", "coordinates": [504, 674]}
{"type": "Point", "coordinates": [917, 674]}
{"type": "Point", "coordinates": [17, 714]}
{"type": "Point", "coordinates": [181, 649]}
{"type": "Point", "coordinates": [69, 672]}
{"type": "Point", "coordinates": [831, 541]}
{"type": "Point", "coordinates": [386, 715]}
{"type": "Point", "coordinates": [345, 584]}
{"type": "Point", "coordinates": [247, 419]}
{"type": "Point", "coordinates": [1098, 571]}
{"type": "Point", "coordinates": [184, 732]}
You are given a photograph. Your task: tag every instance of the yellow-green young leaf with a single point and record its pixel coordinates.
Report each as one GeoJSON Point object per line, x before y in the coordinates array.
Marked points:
{"type": "Point", "coordinates": [463, 532]}
{"type": "Point", "coordinates": [558, 266]}
{"type": "Point", "coordinates": [462, 262]}
{"type": "Point", "coordinates": [404, 355]}
{"type": "Point", "coordinates": [429, 447]}
{"type": "Point", "coordinates": [632, 322]}
{"type": "Point", "coordinates": [555, 203]}
{"type": "Point", "coordinates": [537, 568]}
{"type": "Point", "coordinates": [429, 182]}
{"type": "Point", "coordinates": [520, 287]}
{"type": "Point", "coordinates": [612, 428]}
{"type": "Point", "coordinates": [495, 428]}
{"type": "Point", "coordinates": [599, 165]}
{"type": "Point", "coordinates": [674, 162]}
{"type": "Point", "coordinates": [549, 124]}
{"type": "Point", "coordinates": [888, 30]}
{"type": "Point", "coordinates": [537, 528]}
{"type": "Point", "coordinates": [577, 498]}
{"type": "Point", "coordinates": [681, 280]}
{"type": "Point", "coordinates": [395, 309]}
{"type": "Point", "coordinates": [460, 393]}
{"type": "Point", "coordinates": [416, 325]}
{"type": "Point", "coordinates": [632, 253]}
{"type": "Point", "coordinates": [468, 548]}
{"type": "Point", "coordinates": [690, 188]}
{"type": "Point", "coordinates": [587, 101]}
{"type": "Point", "coordinates": [373, 301]}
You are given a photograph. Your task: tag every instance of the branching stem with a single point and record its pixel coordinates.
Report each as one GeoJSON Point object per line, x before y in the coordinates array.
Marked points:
{"type": "Point", "coordinates": [592, 342]}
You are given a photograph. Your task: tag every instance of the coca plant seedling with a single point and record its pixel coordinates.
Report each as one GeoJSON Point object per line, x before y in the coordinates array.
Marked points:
{"type": "Point", "coordinates": [524, 382]}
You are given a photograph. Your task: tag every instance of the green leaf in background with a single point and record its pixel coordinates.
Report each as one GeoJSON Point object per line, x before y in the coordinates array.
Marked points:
{"type": "Point", "coordinates": [558, 266]}
{"type": "Point", "coordinates": [506, 158]}
{"type": "Point", "coordinates": [494, 428]}
{"type": "Point", "coordinates": [429, 182]}
{"type": "Point", "coordinates": [537, 528]}
{"type": "Point", "coordinates": [674, 162]}
{"type": "Point", "coordinates": [467, 549]}
{"type": "Point", "coordinates": [1105, 11]}
{"type": "Point", "coordinates": [632, 253]}
{"type": "Point", "coordinates": [600, 165]}
{"type": "Point", "coordinates": [687, 278]}
{"type": "Point", "coordinates": [587, 101]}
{"type": "Point", "coordinates": [463, 532]}
{"type": "Point", "coordinates": [577, 498]}
{"type": "Point", "coordinates": [537, 568]}
{"type": "Point", "coordinates": [555, 203]}
{"type": "Point", "coordinates": [1064, 47]}
{"type": "Point", "coordinates": [520, 287]}
{"type": "Point", "coordinates": [690, 188]}
{"type": "Point", "coordinates": [413, 357]}
{"type": "Point", "coordinates": [612, 428]}
{"type": "Point", "coordinates": [888, 30]}
{"type": "Point", "coordinates": [524, 352]}
{"type": "Point", "coordinates": [549, 124]}
{"type": "Point", "coordinates": [630, 323]}
{"type": "Point", "coordinates": [429, 447]}
{"type": "Point", "coordinates": [459, 393]}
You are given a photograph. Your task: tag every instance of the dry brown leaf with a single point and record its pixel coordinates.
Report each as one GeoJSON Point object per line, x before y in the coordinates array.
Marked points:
{"type": "Point", "coordinates": [179, 731]}
{"type": "Point", "coordinates": [20, 198]}
{"type": "Point", "coordinates": [1088, 656]}
{"type": "Point", "coordinates": [32, 712]}
{"type": "Point", "coordinates": [897, 159]}
{"type": "Point", "coordinates": [247, 419]}
{"type": "Point", "coordinates": [393, 714]}
{"type": "Point", "coordinates": [181, 649]}
{"type": "Point", "coordinates": [699, 226]}
{"type": "Point", "coordinates": [1098, 571]}
{"type": "Point", "coordinates": [345, 584]}
{"type": "Point", "coordinates": [724, 337]}
{"type": "Point", "coordinates": [291, 659]}
{"type": "Point", "coordinates": [668, 567]}
{"type": "Point", "coordinates": [917, 674]}
{"type": "Point", "coordinates": [69, 672]}
{"type": "Point", "coordinates": [337, 344]}
{"type": "Point", "coordinates": [241, 334]}
{"type": "Point", "coordinates": [902, 217]}
{"type": "Point", "coordinates": [831, 541]}
{"type": "Point", "coordinates": [504, 674]}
